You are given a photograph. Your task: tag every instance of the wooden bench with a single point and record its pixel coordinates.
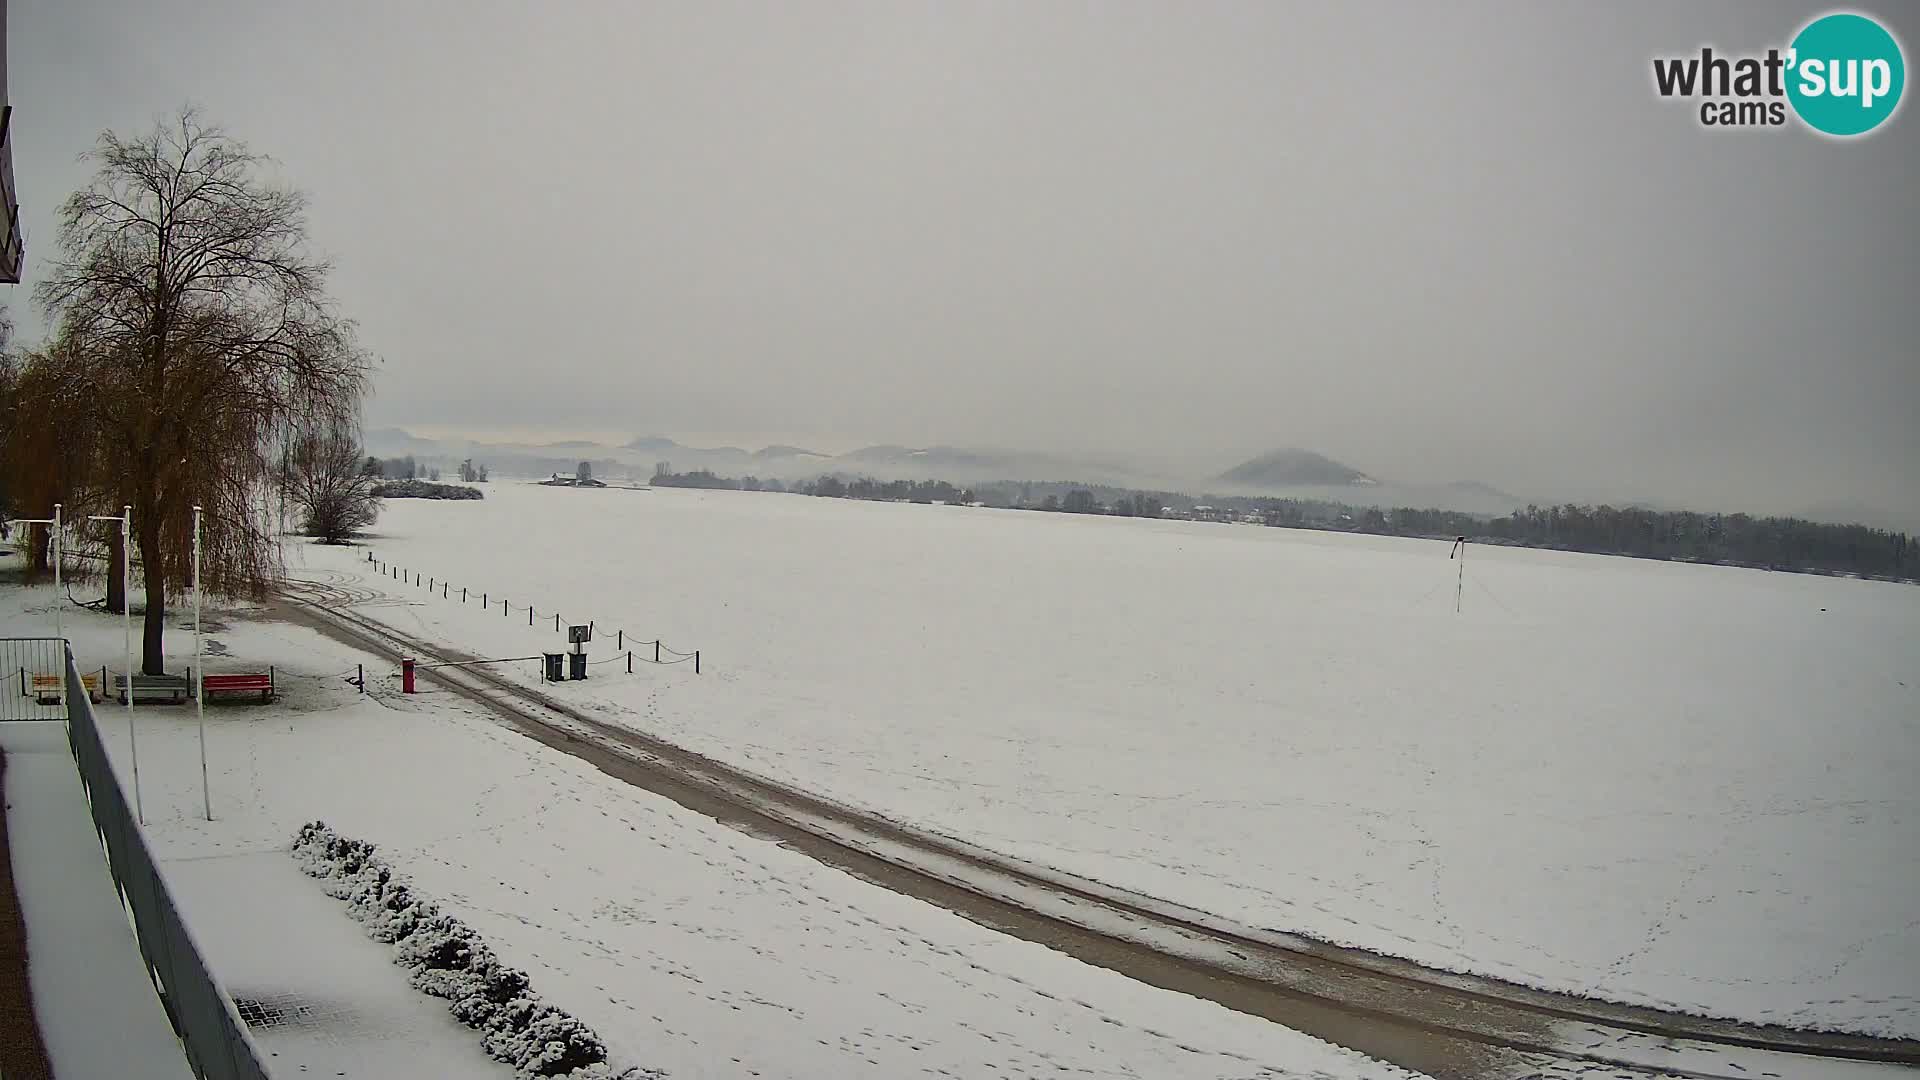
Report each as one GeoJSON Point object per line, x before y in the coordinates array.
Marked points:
{"type": "Point", "coordinates": [239, 683]}
{"type": "Point", "coordinates": [170, 689]}
{"type": "Point", "coordinates": [47, 689]}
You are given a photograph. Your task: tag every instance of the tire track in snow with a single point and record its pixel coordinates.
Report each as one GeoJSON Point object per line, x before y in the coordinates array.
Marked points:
{"type": "Point", "coordinates": [1443, 1023]}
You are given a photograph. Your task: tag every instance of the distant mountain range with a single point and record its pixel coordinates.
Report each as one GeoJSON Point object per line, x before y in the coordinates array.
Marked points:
{"type": "Point", "coordinates": [1290, 472]}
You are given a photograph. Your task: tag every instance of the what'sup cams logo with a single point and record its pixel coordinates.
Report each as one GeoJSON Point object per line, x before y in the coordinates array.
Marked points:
{"type": "Point", "coordinates": [1842, 75]}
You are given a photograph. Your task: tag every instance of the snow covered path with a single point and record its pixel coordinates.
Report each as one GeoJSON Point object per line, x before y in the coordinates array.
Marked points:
{"type": "Point", "coordinates": [87, 974]}
{"type": "Point", "coordinates": [688, 945]}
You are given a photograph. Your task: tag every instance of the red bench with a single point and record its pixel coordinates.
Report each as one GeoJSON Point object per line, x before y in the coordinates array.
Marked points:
{"type": "Point", "coordinates": [239, 683]}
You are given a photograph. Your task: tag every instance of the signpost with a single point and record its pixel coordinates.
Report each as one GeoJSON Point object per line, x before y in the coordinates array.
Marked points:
{"type": "Point", "coordinates": [578, 636]}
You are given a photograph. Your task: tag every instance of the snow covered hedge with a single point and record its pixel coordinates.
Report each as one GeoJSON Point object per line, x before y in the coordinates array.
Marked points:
{"type": "Point", "coordinates": [446, 958]}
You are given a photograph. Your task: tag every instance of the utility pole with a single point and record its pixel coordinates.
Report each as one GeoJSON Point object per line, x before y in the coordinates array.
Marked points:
{"type": "Point", "coordinates": [126, 610]}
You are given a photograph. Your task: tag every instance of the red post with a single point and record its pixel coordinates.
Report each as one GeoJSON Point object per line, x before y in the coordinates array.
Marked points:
{"type": "Point", "coordinates": [406, 675]}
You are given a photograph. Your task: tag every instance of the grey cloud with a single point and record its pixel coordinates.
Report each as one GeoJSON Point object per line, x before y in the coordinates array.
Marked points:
{"type": "Point", "coordinates": [1437, 242]}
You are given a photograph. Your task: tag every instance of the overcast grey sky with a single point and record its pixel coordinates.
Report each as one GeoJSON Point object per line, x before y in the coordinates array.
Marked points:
{"type": "Point", "coordinates": [1436, 242]}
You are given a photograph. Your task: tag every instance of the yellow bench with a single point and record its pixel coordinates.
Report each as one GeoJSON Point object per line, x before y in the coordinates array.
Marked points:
{"type": "Point", "coordinates": [46, 688]}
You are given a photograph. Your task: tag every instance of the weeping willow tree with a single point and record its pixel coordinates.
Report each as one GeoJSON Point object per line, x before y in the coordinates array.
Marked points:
{"type": "Point", "coordinates": [48, 452]}
{"type": "Point", "coordinates": [193, 333]}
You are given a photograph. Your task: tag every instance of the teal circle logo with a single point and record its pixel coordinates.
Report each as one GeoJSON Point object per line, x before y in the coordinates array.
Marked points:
{"type": "Point", "coordinates": [1845, 74]}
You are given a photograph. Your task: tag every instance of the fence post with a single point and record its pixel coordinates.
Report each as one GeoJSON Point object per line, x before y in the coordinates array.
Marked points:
{"type": "Point", "coordinates": [620, 639]}
{"type": "Point", "coordinates": [463, 594]}
{"type": "Point", "coordinates": [529, 614]}
{"type": "Point", "coordinates": [360, 676]}
{"type": "Point", "coordinates": [556, 622]}
{"type": "Point", "coordinates": [656, 650]}
{"type": "Point", "coordinates": [696, 661]}
{"type": "Point", "coordinates": [444, 587]}
{"type": "Point", "coordinates": [629, 661]}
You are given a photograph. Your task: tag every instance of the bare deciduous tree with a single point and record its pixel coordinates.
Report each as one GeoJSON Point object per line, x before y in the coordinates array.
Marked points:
{"type": "Point", "coordinates": [200, 328]}
{"type": "Point", "coordinates": [330, 485]}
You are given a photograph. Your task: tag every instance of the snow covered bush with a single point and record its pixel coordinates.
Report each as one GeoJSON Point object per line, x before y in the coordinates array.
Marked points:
{"type": "Point", "coordinates": [445, 957]}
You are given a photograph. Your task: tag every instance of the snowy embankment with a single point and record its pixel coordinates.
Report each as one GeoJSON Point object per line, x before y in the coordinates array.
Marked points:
{"type": "Point", "coordinates": [1605, 776]}
{"type": "Point", "coordinates": [689, 946]}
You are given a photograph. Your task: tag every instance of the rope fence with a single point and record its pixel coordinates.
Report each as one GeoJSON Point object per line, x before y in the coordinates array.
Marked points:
{"type": "Point", "coordinates": [663, 656]}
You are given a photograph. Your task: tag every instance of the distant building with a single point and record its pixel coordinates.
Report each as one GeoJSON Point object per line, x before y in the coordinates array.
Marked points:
{"type": "Point", "coordinates": [560, 479]}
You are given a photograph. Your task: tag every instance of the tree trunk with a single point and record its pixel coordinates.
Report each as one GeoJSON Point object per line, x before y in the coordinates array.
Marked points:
{"type": "Point", "coordinates": [153, 660]}
{"type": "Point", "coordinates": [40, 541]}
{"type": "Point", "coordinates": [116, 576]}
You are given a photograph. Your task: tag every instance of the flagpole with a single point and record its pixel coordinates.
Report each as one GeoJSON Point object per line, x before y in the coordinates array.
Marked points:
{"type": "Point", "coordinates": [58, 595]}
{"type": "Point", "coordinates": [126, 609]}
{"type": "Point", "coordinates": [199, 674]}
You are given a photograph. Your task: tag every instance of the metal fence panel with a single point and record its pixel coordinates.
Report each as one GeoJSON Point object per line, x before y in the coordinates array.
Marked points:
{"type": "Point", "coordinates": [218, 1046]}
{"type": "Point", "coordinates": [35, 685]}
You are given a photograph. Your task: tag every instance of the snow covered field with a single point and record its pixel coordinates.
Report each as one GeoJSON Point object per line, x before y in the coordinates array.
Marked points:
{"type": "Point", "coordinates": [1667, 784]}
{"type": "Point", "coordinates": [687, 945]}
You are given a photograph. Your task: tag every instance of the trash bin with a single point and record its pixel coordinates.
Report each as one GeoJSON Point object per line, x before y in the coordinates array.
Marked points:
{"type": "Point", "coordinates": [553, 671]}
{"type": "Point", "coordinates": [576, 665]}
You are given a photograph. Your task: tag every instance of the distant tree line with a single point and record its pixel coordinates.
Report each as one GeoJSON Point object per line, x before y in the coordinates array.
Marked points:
{"type": "Point", "coordinates": [1779, 543]}
{"type": "Point", "coordinates": [397, 468]}
{"type": "Point", "coordinates": [863, 487]}
{"type": "Point", "coordinates": [406, 468]}
{"type": "Point", "coordinates": [663, 476]}
{"type": "Point", "coordinates": [1776, 543]}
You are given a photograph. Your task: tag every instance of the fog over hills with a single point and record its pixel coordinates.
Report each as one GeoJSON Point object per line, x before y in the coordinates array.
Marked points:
{"type": "Point", "coordinates": [1289, 472]}
{"type": "Point", "coordinates": [1292, 473]}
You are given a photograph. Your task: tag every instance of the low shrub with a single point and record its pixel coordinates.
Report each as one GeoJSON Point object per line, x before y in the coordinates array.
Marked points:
{"type": "Point", "coordinates": [425, 489]}
{"type": "Point", "coordinates": [446, 958]}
